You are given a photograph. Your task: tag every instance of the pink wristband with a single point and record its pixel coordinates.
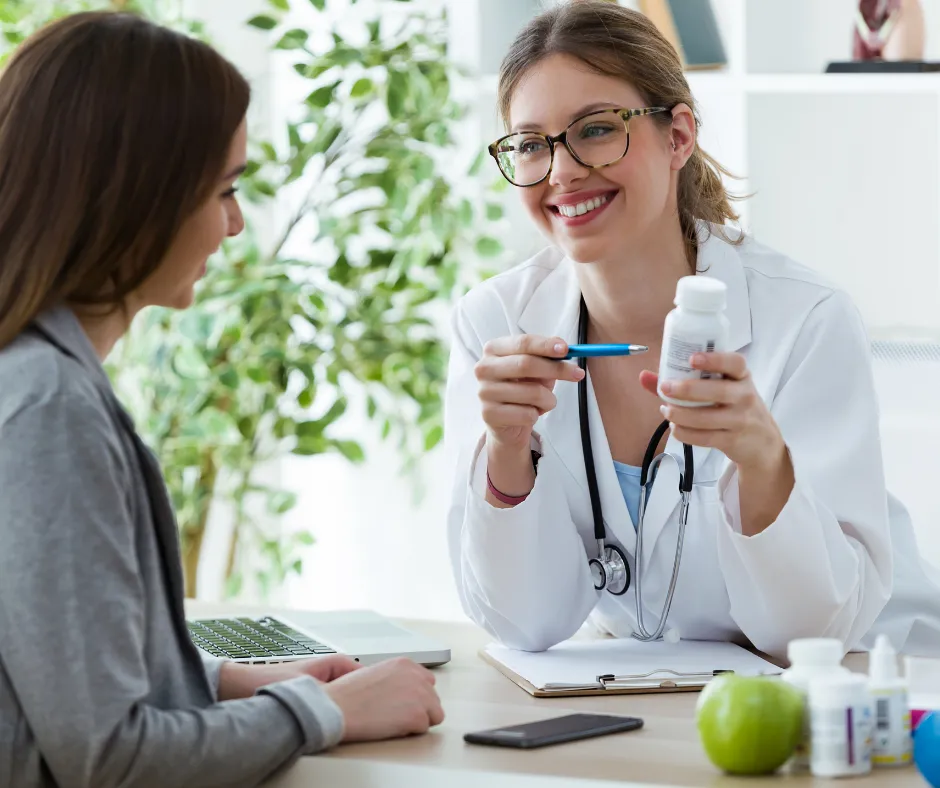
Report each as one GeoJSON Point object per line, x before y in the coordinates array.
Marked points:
{"type": "Point", "coordinates": [509, 500]}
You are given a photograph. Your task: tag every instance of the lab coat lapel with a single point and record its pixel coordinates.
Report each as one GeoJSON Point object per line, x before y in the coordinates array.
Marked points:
{"type": "Point", "coordinates": [553, 311]}
{"type": "Point", "coordinates": [718, 259]}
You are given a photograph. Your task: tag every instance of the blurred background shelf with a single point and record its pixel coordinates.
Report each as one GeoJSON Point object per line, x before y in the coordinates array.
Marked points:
{"type": "Point", "coordinates": [928, 84]}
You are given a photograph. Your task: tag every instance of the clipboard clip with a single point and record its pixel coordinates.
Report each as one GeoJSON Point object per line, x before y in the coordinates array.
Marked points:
{"type": "Point", "coordinates": [609, 681]}
{"type": "Point", "coordinates": [642, 680]}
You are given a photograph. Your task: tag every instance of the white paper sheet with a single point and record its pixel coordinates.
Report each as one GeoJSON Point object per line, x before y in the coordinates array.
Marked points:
{"type": "Point", "coordinates": [580, 662]}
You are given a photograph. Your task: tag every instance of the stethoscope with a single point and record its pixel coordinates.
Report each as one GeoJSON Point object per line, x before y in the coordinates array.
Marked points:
{"type": "Point", "coordinates": [610, 569]}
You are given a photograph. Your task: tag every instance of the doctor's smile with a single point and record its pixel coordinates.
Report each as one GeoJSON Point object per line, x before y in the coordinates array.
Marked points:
{"type": "Point", "coordinates": [578, 209]}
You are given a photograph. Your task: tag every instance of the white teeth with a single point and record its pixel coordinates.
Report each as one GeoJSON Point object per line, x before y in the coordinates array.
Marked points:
{"type": "Point", "coordinates": [582, 207]}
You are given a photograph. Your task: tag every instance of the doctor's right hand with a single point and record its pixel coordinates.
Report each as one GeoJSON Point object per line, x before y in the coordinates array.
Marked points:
{"type": "Point", "coordinates": [384, 701]}
{"type": "Point", "coordinates": [517, 375]}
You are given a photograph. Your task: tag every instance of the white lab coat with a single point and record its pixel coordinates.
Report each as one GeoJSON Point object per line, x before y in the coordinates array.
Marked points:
{"type": "Point", "coordinates": [825, 567]}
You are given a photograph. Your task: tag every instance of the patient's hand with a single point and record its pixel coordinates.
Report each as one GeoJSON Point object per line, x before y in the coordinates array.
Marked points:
{"type": "Point", "coordinates": [237, 680]}
{"type": "Point", "coordinates": [384, 701]}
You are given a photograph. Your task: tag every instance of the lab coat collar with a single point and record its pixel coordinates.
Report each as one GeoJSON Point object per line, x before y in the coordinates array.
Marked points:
{"type": "Point", "coordinates": [553, 310]}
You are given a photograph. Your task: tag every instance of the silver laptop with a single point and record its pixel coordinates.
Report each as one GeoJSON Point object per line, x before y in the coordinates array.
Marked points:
{"type": "Point", "coordinates": [365, 636]}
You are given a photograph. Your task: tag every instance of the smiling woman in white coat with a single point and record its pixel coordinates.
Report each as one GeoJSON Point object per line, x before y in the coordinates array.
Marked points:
{"type": "Point", "coordinates": [789, 531]}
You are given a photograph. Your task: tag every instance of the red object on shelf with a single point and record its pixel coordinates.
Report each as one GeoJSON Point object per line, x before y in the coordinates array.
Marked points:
{"type": "Point", "coordinates": [888, 30]}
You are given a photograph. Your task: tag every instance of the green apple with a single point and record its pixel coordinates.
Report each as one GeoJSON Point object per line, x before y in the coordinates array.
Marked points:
{"type": "Point", "coordinates": [749, 724]}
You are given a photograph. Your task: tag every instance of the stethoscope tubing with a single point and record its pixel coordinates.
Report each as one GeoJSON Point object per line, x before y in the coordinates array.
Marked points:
{"type": "Point", "coordinates": [648, 471]}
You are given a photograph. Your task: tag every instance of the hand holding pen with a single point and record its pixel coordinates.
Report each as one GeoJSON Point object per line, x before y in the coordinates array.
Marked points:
{"type": "Point", "coordinates": [517, 375]}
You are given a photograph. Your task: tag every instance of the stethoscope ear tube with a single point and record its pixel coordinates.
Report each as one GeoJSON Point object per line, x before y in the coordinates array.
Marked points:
{"type": "Point", "coordinates": [688, 475]}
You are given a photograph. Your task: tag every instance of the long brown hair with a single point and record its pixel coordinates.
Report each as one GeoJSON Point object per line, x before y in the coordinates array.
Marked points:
{"type": "Point", "coordinates": [113, 130]}
{"type": "Point", "coordinates": [619, 42]}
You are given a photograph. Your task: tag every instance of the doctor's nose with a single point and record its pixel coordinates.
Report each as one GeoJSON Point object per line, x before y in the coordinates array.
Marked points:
{"type": "Point", "coordinates": [566, 169]}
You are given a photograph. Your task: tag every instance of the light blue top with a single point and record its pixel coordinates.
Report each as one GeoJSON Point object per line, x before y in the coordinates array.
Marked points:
{"type": "Point", "coordinates": [629, 478]}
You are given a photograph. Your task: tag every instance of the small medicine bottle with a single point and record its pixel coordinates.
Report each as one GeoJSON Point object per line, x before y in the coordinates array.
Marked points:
{"type": "Point", "coordinates": [811, 658]}
{"type": "Point", "coordinates": [697, 325]}
{"type": "Point", "coordinates": [840, 721]}
{"type": "Point", "coordinates": [891, 739]}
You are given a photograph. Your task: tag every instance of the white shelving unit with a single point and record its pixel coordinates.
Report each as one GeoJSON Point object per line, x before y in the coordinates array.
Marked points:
{"type": "Point", "coordinates": [844, 169]}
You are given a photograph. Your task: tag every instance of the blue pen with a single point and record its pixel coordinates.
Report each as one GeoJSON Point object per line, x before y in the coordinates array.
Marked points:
{"type": "Point", "coordinates": [595, 351]}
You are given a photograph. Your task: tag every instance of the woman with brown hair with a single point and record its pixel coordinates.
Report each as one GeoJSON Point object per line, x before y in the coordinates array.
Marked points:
{"type": "Point", "coordinates": [789, 533]}
{"type": "Point", "coordinates": [120, 145]}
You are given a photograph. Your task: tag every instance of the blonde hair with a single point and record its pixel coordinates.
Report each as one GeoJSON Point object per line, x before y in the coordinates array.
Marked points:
{"type": "Point", "coordinates": [618, 42]}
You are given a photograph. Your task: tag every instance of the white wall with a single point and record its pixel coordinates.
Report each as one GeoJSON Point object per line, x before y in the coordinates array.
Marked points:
{"type": "Point", "coordinates": [855, 199]}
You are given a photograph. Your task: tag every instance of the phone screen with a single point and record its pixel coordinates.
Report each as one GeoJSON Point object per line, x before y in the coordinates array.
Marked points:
{"type": "Point", "coordinates": [555, 731]}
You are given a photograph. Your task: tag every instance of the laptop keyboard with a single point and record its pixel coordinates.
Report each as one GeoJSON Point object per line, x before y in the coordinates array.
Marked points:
{"type": "Point", "coordinates": [253, 638]}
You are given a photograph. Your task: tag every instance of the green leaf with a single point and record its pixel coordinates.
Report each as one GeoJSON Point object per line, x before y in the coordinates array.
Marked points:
{"type": "Point", "coordinates": [229, 378]}
{"type": "Point", "coordinates": [292, 39]}
{"type": "Point", "coordinates": [465, 213]}
{"type": "Point", "coordinates": [188, 363]}
{"type": "Point", "coordinates": [477, 163]}
{"type": "Point", "coordinates": [318, 4]}
{"type": "Point", "coordinates": [281, 5]}
{"type": "Point", "coordinates": [494, 211]}
{"type": "Point", "coordinates": [321, 97]}
{"type": "Point", "coordinates": [433, 437]}
{"type": "Point", "coordinates": [263, 22]}
{"type": "Point", "coordinates": [281, 502]}
{"type": "Point", "coordinates": [310, 444]}
{"type": "Point", "coordinates": [397, 94]}
{"type": "Point", "coordinates": [269, 152]}
{"type": "Point", "coordinates": [304, 538]}
{"type": "Point", "coordinates": [336, 410]}
{"type": "Point", "coordinates": [488, 247]}
{"type": "Point", "coordinates": [351, 450]}
{"type": "Point", "coordinates": [297, 566]}
{"type": "Point", "coordinates": [363, 87]}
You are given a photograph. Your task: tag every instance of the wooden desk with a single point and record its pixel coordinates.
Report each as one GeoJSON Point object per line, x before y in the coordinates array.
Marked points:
{"type": "Point", "coordinates": [666, 752]}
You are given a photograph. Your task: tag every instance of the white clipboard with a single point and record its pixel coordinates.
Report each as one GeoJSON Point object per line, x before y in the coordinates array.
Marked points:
{"type": "Point", "coordinates": [623, 666]}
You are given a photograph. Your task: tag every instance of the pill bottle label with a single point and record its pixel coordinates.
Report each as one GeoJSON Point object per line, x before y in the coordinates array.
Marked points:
{"type": "Point", "coordinates": [678, 353]}
{"type": "Point", "coordinates": [891, 740]}
{"type": "Point", "coordinates": [841, 743]}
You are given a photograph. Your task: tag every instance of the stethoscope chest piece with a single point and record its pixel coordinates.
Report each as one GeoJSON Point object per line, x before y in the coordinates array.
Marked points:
{"type": "Point", "coordinates": [611, 571]}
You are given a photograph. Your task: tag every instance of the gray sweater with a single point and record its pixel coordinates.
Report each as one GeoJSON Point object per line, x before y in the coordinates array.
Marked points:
{"type": "Point", "coordinates": [100, 684]}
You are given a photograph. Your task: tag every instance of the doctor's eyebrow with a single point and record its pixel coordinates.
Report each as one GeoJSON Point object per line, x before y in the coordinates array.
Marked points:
{"type": "Point", "coordinates": [598, 105]}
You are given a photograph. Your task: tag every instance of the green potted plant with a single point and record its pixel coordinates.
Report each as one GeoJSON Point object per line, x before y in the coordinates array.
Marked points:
{"type": "Point", "coordinates": [372, 235]}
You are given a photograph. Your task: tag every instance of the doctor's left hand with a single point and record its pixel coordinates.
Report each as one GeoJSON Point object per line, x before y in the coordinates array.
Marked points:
{"type": "Point", "coordinates": [739, 424]}
{"type": "Point", "coordinates": [238, 680]}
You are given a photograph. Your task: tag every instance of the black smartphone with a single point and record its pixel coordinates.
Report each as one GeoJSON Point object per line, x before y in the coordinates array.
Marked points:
{"type": "Point", "coordinates": [554, 731]}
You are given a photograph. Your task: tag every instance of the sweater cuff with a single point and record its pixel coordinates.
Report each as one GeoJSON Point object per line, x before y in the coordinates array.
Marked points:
{"type": "Point", "coordinates": [320, 719]}
{"type": "Point", "coordinates": [213, 668]}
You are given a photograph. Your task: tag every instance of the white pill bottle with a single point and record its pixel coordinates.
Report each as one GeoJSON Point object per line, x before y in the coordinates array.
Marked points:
{"type": "Point", "coordinates": [697, 325]}
{"type": "Point", "coordinates": [841, 726]}
{"type": "Point", "coordinates": [811, 658]}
